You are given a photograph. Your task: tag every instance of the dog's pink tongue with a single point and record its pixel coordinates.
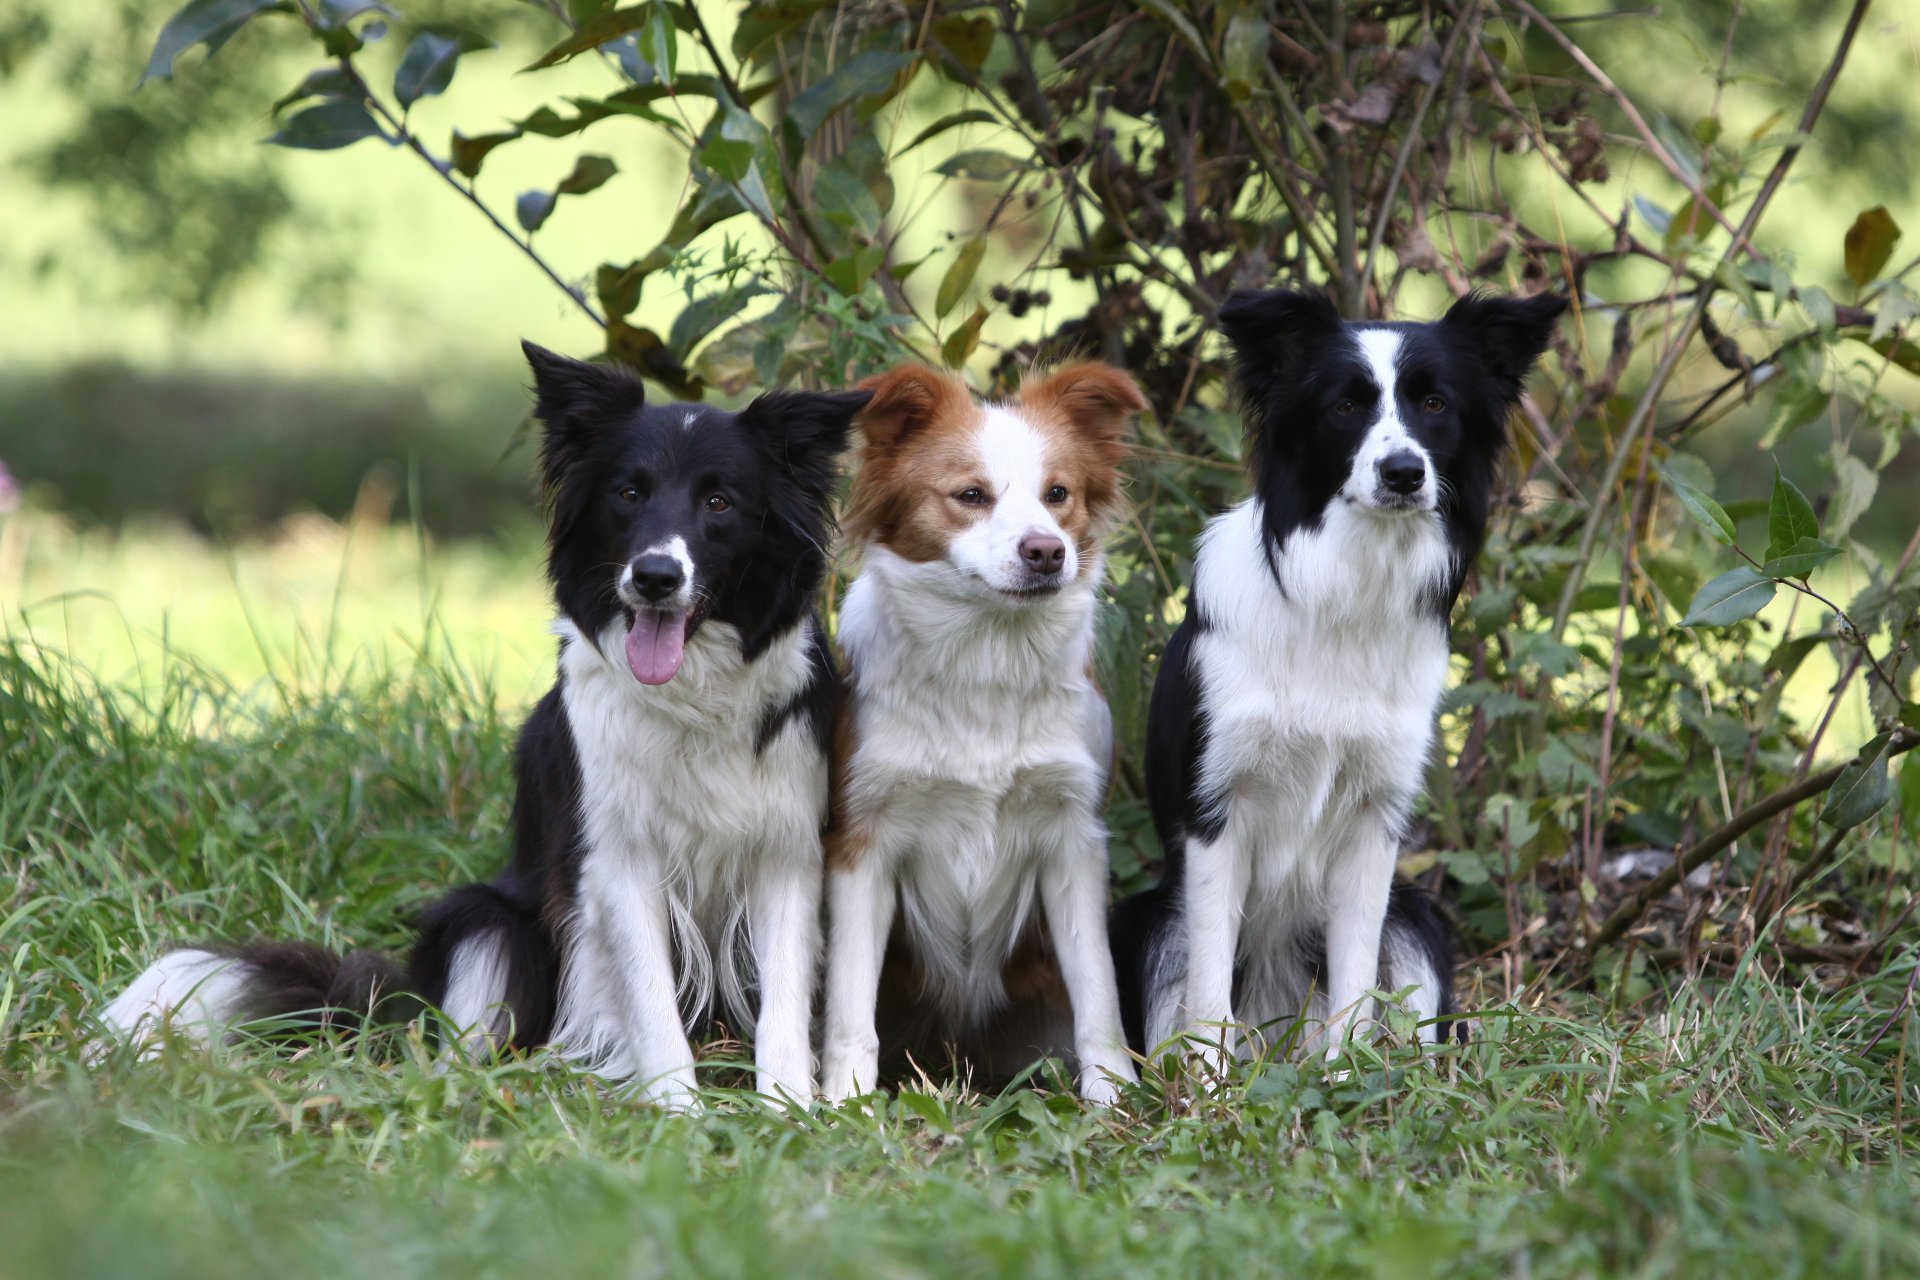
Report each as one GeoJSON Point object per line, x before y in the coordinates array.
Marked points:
{"type": "Point", "coordinates": [655, 645]}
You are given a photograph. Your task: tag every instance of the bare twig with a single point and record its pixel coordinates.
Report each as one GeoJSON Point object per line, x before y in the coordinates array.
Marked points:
{"type": "Point", "coordinates": [1685, 860]}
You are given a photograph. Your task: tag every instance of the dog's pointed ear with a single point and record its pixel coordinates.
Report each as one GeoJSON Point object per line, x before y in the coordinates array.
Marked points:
{"type": "Point", "coordinates": [1269, 327]}
{"type": "Point", "coordinates": [905, 400]}
{"type": "Point", "coordinates": [572, 398]}
{"type": "Point", "coordinates": [804, 433]}
{"type": "Point", "coordinates": [1506, 335]}
{"type": "Point", "coordinates": [1095, 398]}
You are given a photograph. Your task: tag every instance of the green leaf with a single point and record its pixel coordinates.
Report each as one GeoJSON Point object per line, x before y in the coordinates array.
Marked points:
{"type": "Point", "coordinates": [1789, 654]}
{"type": "Point", "coordinates": [321, 82]}
{"type": "Point", "coordinates": [966, 42]}
{"type": "Point", "coordinates": [1799, 560]}
{"type": "Point", "coordinates": [427, 67]}
{"type": "Point", "coordinates": [1789, 516]}
{"type": "Point", "coordinates": [868, 75]}
{"type": "Point", "coordinates": [594, 33]}
{"type": "Point", "coordinates": [208, 22]}
{"type": "Point", "coordinates": [1862, 788]}
{"type": "Point", "coordinates": [1509, 821]}
{"type": "Point", "coordinates": [1869, 244]}
{"type": "Point", "coordinates": [983, 165]}
{"type": "Point", "coordinates": [1910, 789]}
{"type": "Point", "coordinates": [1855, 484]}
{"type": "Point", "coordinates": [470, 153]}
{"type": "Point", "coordinates": [339, 122]}
{"type": "Point", "coordinates": [1708, 514]}
{"type": "Point", "coordinates": [1736, 594]}
{"type": "Point", "coordinates": [1901, 352]}
{"type": "Point", "coordinates": [953, 120]}
{"type": "Point", "coordinates": [850, 271]}
{"type": "Point", "coordinates": [659, 43]}
{"type": "Point", "coordinates": [336, 36]}
{"type": "Point", "coordinates": [1819, 305]}
{"type": "Point", "coordinates": [961, 342]}
{"type": "Point", "coordinates": [707, 312]}
{"type": "Point", "coordinates": [589, 172]}
{"type": "Point", "coordinates": [1794, 407]}
{"type": "Point", "coordinates": [1910, 715]}
{"type": "Point", "coordinates": [959, 275]}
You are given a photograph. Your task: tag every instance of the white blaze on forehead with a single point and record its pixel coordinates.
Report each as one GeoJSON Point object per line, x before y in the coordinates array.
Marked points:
{"type": "Point", "coordinates": [1013, 461]}
{"type": "Point", "coordinates": [1380, 348]}
{"type": "Point", "coordinates": [687, 422]}
{"type": "Point", "coordinates": [1012, 453]}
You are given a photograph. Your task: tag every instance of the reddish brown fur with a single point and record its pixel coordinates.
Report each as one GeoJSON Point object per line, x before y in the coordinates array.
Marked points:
{"type": "Point", "coordinates": [918, 452]}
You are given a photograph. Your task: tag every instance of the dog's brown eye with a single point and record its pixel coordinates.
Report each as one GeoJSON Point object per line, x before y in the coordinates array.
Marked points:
{"type": "Point", "coordinates": [718, 502]}
{"type": "Point", "coordinates": [1057, 495]}
{"type": "Point", "coordinates": [1347, 408]}
{"type": "Point", "coordinates": [1434, 404]}
{"type": "Point", "coordinates": [973, 497]}
{"type": "Point", "coordinates": [630, 494]}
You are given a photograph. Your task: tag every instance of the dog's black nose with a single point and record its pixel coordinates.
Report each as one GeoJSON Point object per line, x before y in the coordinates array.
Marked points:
{"type": "Point", "coordinates": [656, 576]}
{"type": "Point", "coordinates": [1403, 472]}
{"type": "Point", "coordinates": [1043, 553]}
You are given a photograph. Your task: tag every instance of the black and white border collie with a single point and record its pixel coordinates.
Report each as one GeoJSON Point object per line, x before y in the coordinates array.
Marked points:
{"type": "Point", "coordinates": [672, 786]}
{"type": "Point", "coordinates": [1294, 712]}
{"type": "Point", "coordinates": [967, 857]}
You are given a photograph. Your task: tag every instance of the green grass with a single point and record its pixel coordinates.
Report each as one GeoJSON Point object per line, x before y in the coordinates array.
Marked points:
{"type": "Point", "coordinates": [1759, 1126]}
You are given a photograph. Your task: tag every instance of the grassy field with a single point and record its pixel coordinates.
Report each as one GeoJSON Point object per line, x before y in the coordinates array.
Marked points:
{"type": "Point", "coordinates": [1759, 1126]}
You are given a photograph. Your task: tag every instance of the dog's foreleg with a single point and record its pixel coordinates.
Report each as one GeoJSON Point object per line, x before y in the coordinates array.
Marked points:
{"type": "Point", "coordinates": [632, 930]}
{"type": "Point", "coordinates": [786, 944]}
{"type": "Point", "coordinates": [860, 904]}
{"type": "Point", "coordinates": [1214, 894]}
{"type": "Point", "coordinates": [1358, 884]}
{"type": "Point", "coordinates": [1073, 890]}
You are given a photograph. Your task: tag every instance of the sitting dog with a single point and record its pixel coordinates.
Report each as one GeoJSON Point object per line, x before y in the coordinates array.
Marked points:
{"type": "Point", "coordinates": [1294, 711]}
{"type": "Point", "coordinates": [967, 853]}
{"type": "Point", "coordinates": [671, 787]}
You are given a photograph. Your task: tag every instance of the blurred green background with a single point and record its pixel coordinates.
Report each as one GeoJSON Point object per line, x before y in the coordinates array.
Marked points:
{"type": "Point", "coordinates": [227, 365]}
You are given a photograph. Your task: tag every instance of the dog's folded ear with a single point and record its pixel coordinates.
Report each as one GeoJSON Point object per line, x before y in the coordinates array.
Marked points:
{"type": "Point", "coordinates": [804, 433]}
{"type": "Point", "coordinates": [906, 399]}
{"type": "Point", "coordinates": [1268, 327]}
{"type": "Point", "coordinates": [1506, 335]}
{"type": "Point", "coordinates": [1097, 399]}
{"type": "Point", "coordinates": [574, 399]}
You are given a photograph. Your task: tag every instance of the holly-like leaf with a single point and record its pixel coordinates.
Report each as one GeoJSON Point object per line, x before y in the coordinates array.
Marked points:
{"type": "Point", "coordinates": [1870, 242]}
{"type": "Point", "coordinates": [427, 67]}
{"type": "Point", "coordinates": [336, 123]}
{"type": "Point", "coordinates": [208, 22]}
{"type": "Point", "coordinates": [1736, 594]}
{"type": "Point", "coordinates": [1862, 788]}
{"type": "Point", "coordinates": [983, 165]}
{"type": "Point", "coordinates": [867, 75]}
{"type": "Point", "coordinates": [1708, 514]}
{"type": "Point", "coordinates": [960, 272]}
{"type": "Point", "coordinates": [1800, 559]}
{"type": "Point", "coordinates": [1789, 516]}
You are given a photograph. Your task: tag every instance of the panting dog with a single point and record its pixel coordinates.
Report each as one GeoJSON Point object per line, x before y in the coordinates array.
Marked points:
{"type": "Point", "coordinates": [967, 854]}
{"type": "Point", "coordinates": [671, 788]}
{"type": "Point", "coordinates": [1293, 715]}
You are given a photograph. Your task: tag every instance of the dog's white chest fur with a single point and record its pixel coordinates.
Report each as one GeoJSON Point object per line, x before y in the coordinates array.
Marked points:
{"type": "Point", "coordinates": [1319, 689]}
{"type": "Point", "coordinates": [982, 750]}
{"type": "Point", "coordinates": [674, 797]}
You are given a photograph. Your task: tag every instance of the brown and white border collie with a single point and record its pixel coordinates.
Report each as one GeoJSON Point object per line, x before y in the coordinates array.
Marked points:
{"type": "Point", "coordinates": [967, 852]}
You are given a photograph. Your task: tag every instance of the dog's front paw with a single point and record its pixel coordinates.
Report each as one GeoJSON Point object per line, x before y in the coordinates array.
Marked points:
{"type": "Point", "coordinates": [675, 1092]}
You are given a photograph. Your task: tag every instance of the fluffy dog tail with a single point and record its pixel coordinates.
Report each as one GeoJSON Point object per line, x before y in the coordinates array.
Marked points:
{"type": "Point", "coordinates": [198, 992]}
{"type": "Point", "coordinates": [482, 957]}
